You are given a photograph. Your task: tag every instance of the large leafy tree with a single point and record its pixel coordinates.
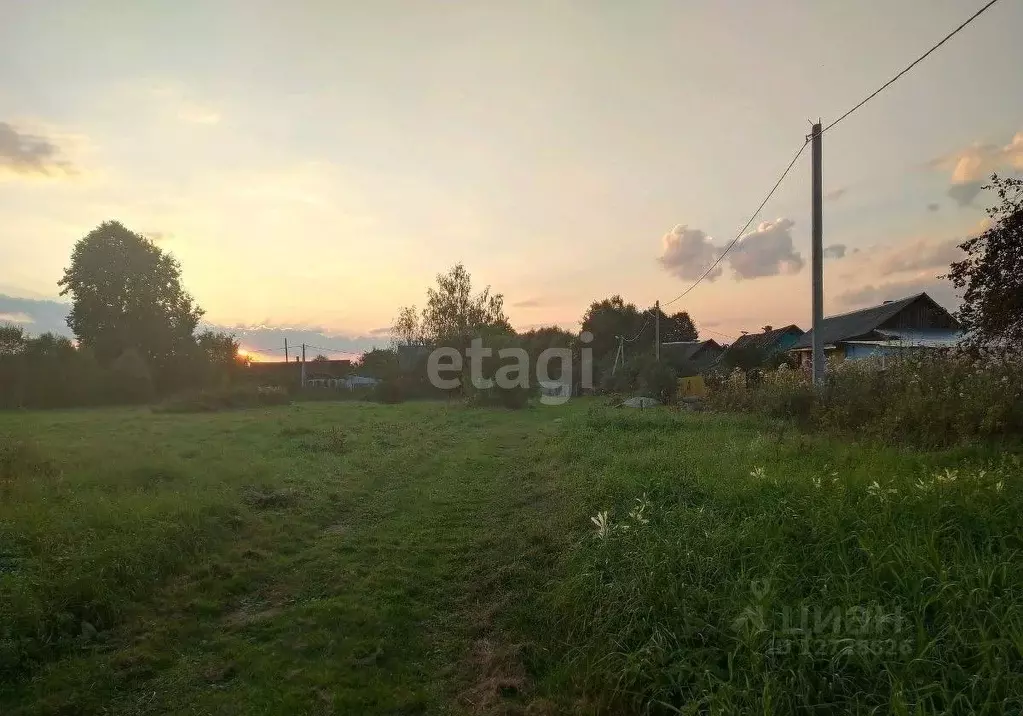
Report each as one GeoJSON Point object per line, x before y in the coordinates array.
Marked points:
{"type": "Point", "coordinates": [609, 318]}
{"type": "Point", "coordinates": [127, 295]}
{"type": "Point", "coordinates": [992, 271]}
{"type": "Point", "coordinates": [453, 314]}
{"type": "Point", "coordinates": [677, 327]}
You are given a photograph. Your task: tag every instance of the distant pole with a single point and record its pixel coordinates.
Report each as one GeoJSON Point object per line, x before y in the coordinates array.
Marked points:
{"type": "Point", "coordinates": [618, 354]}
{"type": "Point", "coordinates": [657, 331]}
{"type": "Point", "coordinates": [817, 258]}
{"type": "Point", "coordinates": [285, 349]}
{"type": "Point", "coordinates": [303, 366]}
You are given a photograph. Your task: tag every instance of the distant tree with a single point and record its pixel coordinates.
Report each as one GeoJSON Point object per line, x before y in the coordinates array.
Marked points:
{"type": "Point", "coordinates": [12, 344]}
{"type": "Point", "coordinates": [220, 356]}
{"type": "Point", "coordinates": [992, 272]}
{"type": "Point", "coordinates": [408, 328]}
{"type": "Point", "coordinates": [744, 357]}
{"type": "Point", "coordinates": [218, 347]}
{"type": "Point", "coordinates": [453, 314]}
{"type": "Point", "coordinates": [57, 374]}
{"type": "Point", "coordinates": [320, 358]}
{"type": "Point", "coordinates": [609, 318]}
{"type": "Point", "coordinates": [678, 327]}
{"type": "Point", "coordinates": [378, 363]}
{"type": "Point", "coordinates": [537, 340]}
{"type": "Point", "coordinates": [131, 380]}
{"type": "Point", "coordinates": [127, 296]}
{"type": "Point", "coordinates": [12, 339]}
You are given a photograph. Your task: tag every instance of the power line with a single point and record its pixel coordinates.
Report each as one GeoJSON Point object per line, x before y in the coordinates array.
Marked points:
{"type": "Point", "coordinates": [862, 102]}
{"type": "Point", "coordinates": [746, 226]}
{"type": "Point", "coordinates": [261, 350]}
{"type": "Point", "coordinates": [911, 65]}
{"type": "Point", "coordinates": [717, 333]}
{"type": "Point", "coordinates": [640, 333]}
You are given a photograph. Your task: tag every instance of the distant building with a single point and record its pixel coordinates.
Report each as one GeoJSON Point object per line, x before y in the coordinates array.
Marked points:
{"type": "Point", "coordinates": [288, 374]}
{"type": "Point", "coordinates": [353, 382]}
{"type": "Point", "coordinates": [689, 358]}
{"type": "Point", "coordinates": [768, 342]}
{"type": "Point", "coordinates": [913, 323]}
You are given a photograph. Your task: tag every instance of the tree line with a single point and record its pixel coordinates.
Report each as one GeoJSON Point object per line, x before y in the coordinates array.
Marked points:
{"type": "Point", "coordinates": [135, 329]}
{"type": "Point", "coordinates": [137, 333]}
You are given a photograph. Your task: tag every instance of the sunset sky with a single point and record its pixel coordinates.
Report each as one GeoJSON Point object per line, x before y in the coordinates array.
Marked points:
{"type": "Point", "coordinates": [313, 165]}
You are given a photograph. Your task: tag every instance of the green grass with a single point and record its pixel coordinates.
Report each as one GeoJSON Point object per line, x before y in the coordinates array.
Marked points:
{"type": "Point", "coordinates": [426, 558]}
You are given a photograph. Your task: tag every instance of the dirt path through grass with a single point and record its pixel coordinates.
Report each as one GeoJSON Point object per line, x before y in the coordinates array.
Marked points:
{"type": "Point", "coordinates": [355, 559]}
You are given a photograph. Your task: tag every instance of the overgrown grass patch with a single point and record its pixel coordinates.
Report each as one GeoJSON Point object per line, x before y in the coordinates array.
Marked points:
{"type": "Point", "coordinates": [429, 558]}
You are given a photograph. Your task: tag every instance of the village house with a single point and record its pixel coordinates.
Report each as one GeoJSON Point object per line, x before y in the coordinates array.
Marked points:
{"type": "Point", "coordinates": [690, 358]}
{"type": "Point", "coordinates": [913, 323]}
{"type": "Point", "coordinates": [770, 341]}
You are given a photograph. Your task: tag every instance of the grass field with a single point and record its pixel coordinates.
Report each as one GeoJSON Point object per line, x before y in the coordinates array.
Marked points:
{"type": "Point", "coordinates": [427, 558]}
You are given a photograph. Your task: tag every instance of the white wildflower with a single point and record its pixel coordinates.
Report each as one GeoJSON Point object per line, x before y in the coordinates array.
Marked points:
{"type": "Point", "coordinates": [757, 473]}
{"type": "Point", "coordinates": [948, 477]}
{"type": "Point", "coordinates": [637, 512]}
{"type": "Point", "coordinates": [879, 492]}
{"type": "Point", "coordinates": [603, 522]}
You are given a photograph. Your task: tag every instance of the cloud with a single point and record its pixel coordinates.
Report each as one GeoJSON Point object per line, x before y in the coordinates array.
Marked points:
{"type": "Point", "coordinates": [964, 193]}
{"type": "Point", "coordinates": [920, 255]}
{"type": "Point", "coordinates": [970, 167]}
{"type": "Point", "coordinates": [688, 253]}
{"type": "Point", "coordinates": [836, 194]}
{"type": "Point", "coordinates": [933, 206]}
{"type": "Point", "coordinates": [382, 331]}
{"type": "Point", "coordinates": [267, 341]}
{"type": "Point", "coordinates": [940, 290]}
{"type": "Point", "coordinates": [768, 251]}
{"type": "Point", "coordinates": [15, 318]}
{"type": "Point", "coordinates": [835, 251]}
{"type": "Point", "coordinates": [23, 154]}
{"type": "Point", "coordinates": [528, 303]}
{"type": "Point", "coordinates": [38, 315]}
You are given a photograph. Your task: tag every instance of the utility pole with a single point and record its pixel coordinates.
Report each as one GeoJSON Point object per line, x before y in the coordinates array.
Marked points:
{"type": "Point", "coordinates": [657, 331]}
{"type": "Point", "coordinates": [817, 258]}
{"type": "Point", "coordinates": [619, 354]}
{"type": "Point", "coordinates": [285, 349]}
{"type": "Point", "coordinates": [303, 366]}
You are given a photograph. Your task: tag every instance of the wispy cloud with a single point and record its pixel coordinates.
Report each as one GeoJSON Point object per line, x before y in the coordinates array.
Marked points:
{"type": "Point", "coordinates": [23, 153]}
{"type": "Point", "coordinates": [835, 251]}
{"type": "Point", "coordinates": [15, 318]}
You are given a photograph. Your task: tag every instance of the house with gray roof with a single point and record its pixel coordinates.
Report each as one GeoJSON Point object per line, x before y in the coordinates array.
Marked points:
{"type": "Point", "coordinates": [689, 358]}
{"type": "Point", "coordinates": [912, 323]}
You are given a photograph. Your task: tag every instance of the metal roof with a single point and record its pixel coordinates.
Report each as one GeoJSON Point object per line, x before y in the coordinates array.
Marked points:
{"type": "Point", "coordinates": [685, 350]}
{"type": "Point", "coordinates": [859, 324]}
{"type": "Point", "coordinates": [765, 340]}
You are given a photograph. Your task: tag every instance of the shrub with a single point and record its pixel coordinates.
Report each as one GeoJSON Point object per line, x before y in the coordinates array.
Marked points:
{"type": "Point", "coordinates": [924, 398]}
{"type": "Point", "coordinates": [206, 401]}
{"type": "Point", "coordinates": [390, 391]}
{"type": "Point", "coordinates": [130, 379]}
